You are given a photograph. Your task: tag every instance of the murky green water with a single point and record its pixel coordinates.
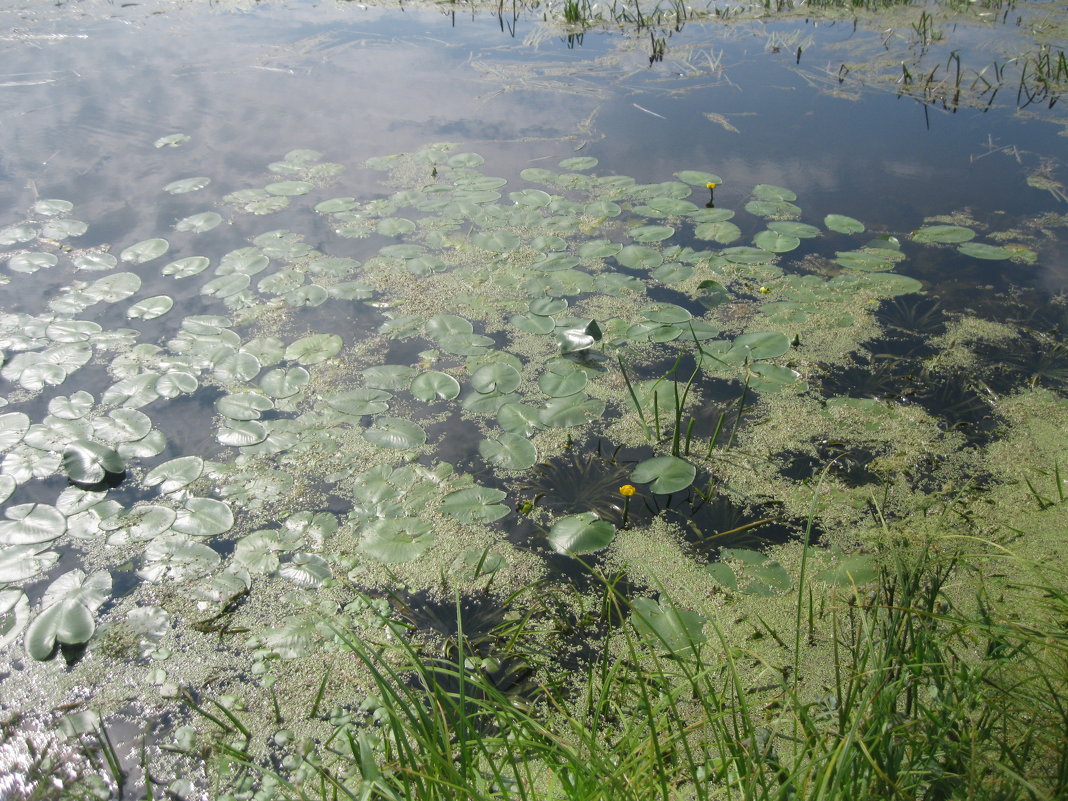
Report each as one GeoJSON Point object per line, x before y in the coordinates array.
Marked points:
{"type": "Point", "coordinates": [304, 301]}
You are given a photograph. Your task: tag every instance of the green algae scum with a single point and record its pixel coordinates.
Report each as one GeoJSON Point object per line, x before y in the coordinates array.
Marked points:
{"type": "Point", "coordinates": [556, 401]}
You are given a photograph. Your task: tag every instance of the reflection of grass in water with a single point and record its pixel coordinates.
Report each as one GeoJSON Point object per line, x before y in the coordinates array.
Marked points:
{"type": "Point", "coordinates": [1030, 360]}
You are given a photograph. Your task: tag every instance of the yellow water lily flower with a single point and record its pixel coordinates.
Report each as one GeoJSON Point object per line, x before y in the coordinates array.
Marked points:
{"type": "Point", "coordinates": [764, 290]}
{"type": "Point", "coordinates": [711, 185]}
{"type": "Point", "coordinates": [627, 490]}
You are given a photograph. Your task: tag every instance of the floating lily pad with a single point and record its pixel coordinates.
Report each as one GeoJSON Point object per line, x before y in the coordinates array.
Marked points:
{"type": "Point", "coordinates": [432, 385]}
{"type": "Point", "coordinates": [562, 378]}
{"type": "Point", "coordinates": [395, 432]}
{"type": "Point", "coordinates": [88, 462]}
{"type": "Point", "coordinates": [576, 163]}
{"type": "Point", "coordinates": [307, 570]}
{"type": "Point", "coordinates": [842, 224]}
{"type": "Point", "coordinates": [667, 626]}
{"type": "Point", "coordinates": [698, 178]}
{"type": "Point", "coordinates": [497, 377]}
{"type": "Point", "coordinates": [203, 517]}
{"type": "Point", "coordinates": [67, 617]}
{"type": "Point", "coordinates": [199, 223]}
{"type": "Point", "coordinates": [397, 539]}
{"type": "Point", "coordinates": [497, 241]}
{"type": "Point", "coordinates": [187, 267]}
{"type": "Point", "coordinates": [573, 410]}
{"type": "Point", "coordinates": [150, 308]}
{"type": "Point", "coordinates": [651, 233]}
{"type": "Point", "coordinates": [31, 523]}
{"type": "Point", "coordinates": [639, 257]}
{"type": "Point", "coordinates": [581, 533]}
{"type": "Point", "coordinates": [358, 402]}
{"type": "Point", "coordinates": [952, 234]}
{"type": "Point", "coordinates": [509, 451]}
{"type": "Point", "coordinates": [145, 251]}
{"type": "Point", "coordinates": [776, 242]}
{"type": "Point", "coordinates": [32, 262]}
{"type": "Point", "coordinates": [667, 474]}
{"type": "Point", "coordinates": [186, 185]}
{"type": "Point", "coordinates": [289, 188]}
{"type": "Point", "coordinates": [314, 349]}
{"type": "Point", "coordinates": [475, 505]}
{"type": "Point", "coordinates": [243, 405]}
{"type": "Point", "coordinates": [981, 250]}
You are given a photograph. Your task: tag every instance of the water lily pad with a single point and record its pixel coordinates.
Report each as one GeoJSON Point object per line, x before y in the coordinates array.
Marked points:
{"type": "Point", "coordinates": [199, 223]}
{"type": "Point", "coordinates": [21, 562]}
{"type": "Point", "coordinates": [581, 533]}
{"type": "Point", "coordinates": [94, 260]}
{"type": "Point", "coordinates": [63, 229]}
{"type": "Point", "coordinates": [175, 474]}
{"type": "Point", "coordinates": [32, 262]}
{"type": "Point", "coordinates": [519, 418]}
{"type": "Point", "coordinates": [651, 233]}
{"type": "Point", "coordinates": [842, 224]}
{"type": "Point", "coordinates": [798, 229]}
{"type": "Point", "coordinates": [667, 473]}
{"type": "Point", "coordinates": [698, 177]}
{"type": "Point", "coordinates": [497, 241]}
{"type": "Point", "coordinates": [395, 432]}
{"type": "Point", "coordinates": [187, 267]}
{"type": "Point", "coordinates": [851, 571]}
{"type": "Point", "coordinates": [496, 377]}
{"type": "Point", "coordinates": [177, 557]}
{"type": "Point", "coordinates": [241, 433]}
{"type": "Point", "coordinates": [172, 140]}
{"type": "Point", "coordinates": [573, 410]}
{"type": "Point", "coordinates": [397, 377]}
{"type": "Point", "coordinates": [776, 242]}
{"type": "Point", "coordinates": [475, 505]}
{"type": "Point", "coordinates": [203, 517]}
{"type": "Point", "coordinates": [562, 378]}
{"type": "Point", "coordinates": [314, 349]}
{"type": "Point", "coordinates": [186, 185]}
{"type": "Point", "coordinates": [67, 617]}
{"type": "Point", "coordinates": [981, 250]}
{"type": "Point", "coordinates": [394, 226]}
{"type": "Point", "coordinates": [952, 234]}
{"type": "Point", "coordinates": [122, 425]}
{"type": "Point", "coordinates": [576, 163]}
{"type": "Point", "coordinates": [243, 405]}
{"type": "Point", "coordinates": [145, 251]}
{"type": "Point", "coordinates": [88, 462]}
{"type": "Point", "coordinates": [31, 523]}
{"type": "Point", "coordinates": [433, 385]}
{"type": "Point", "coordinates": [150, 308]}
{"type": "Point", "coordinates": [579, 338]}
{"type": "Point", "coordinates": [771, 192]}
{"type": "Point", "coordinates": [307, 570]}
{"type": "Point", "coordinates": [533, 323]}
{"type": "Point", "coordinates": [336, 204]}
{"type": "Point", "coordinates": [113, 288]}
{"type": "Point", "coordinates": [396, 539]}
{"type": "Point", "coordinates": [639, 257]}
{"type": "Point", "coordinates": [672, 272]}
{"type": "Point", "coordinates": [285, 382]}
{"type": "Point", "coordinates": [289, 188]}
{"type": "Point", "coordinates": [667, 626]}
{"type": "Point", "coordinates": [13, 426]}
{"type": "Point", "coordinates": [358, 402]}
{"type": "Point", "coordinates": [509, 451]}
{"type": "Point", "coordinates": [603, 208]}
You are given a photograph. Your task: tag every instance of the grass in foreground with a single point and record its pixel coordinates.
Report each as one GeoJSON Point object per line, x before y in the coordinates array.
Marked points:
{"type": "Point", "coordinates": [922, 700]}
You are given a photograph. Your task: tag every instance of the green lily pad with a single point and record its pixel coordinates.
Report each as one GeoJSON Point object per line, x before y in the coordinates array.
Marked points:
{"type": "Point", "coordinates": [150, 308]}
{"type": "Point", "coordinates": [175, 474]}
{"type": "Point", "coordinates": [243, 405]}
{"type": "Point", "coordinates": [31, 523]}
{"type": "Point", "coordinates": [576, 163]}
{"type": "Point", "coordinates": [850, 571]}
{"type": "Point", "coordinates": [67, 617]}
{"type": "Point", "coordinates": [667, 473]}
{"type": "Point", "coordinates": [776, 242]}
{"type": "Point", "coordinates": [639, 257]}
{"type": "Point", "coordinates": [63, 229]}
{"type": "Point", "coordinates": [32, 262]}
{"type": "Point", "coordinates": [314, 349]}
{"type": "Point", "coordinates": [289, 188]}
{"type": "Point", "coordinates": [562, 378]}
{"type": "Point", "coordinates": [951, 234]}
{"type": "Point", "coordinates": [579, 338]}
{"type": "Point", "coordinates": [497, 241]}
{"type": "Point", "coordinates": [651, 233]}
{"type": "Point", "coordinates": [698, 177]}
{"type": "Point", "coordinates": [358, 402]}
{"type": "Point", "coordinates": [981, 250]}
{"type": "Point", "coordinates": [519, 418]}
{"type": "Point", "coordinates": [88, 462]}
{"type": "Point", "coordinates": [771, 192]}
{"type": "Point", "coordinates": [187, 267]}
{"type": "Point", "coordinates": [177, 557]}
{"type": "Point", "coordinates": [475, 505]}
{"type": "Point", "coordinates": [199, 223]}
{"type": "Point", "coordinates": [798, 229]}
{"type": "Point", "coordinates": [186, 185]}
{"type": "Point", "coordinates": [573, 410]}
{"type": "Point", "coordinates": [842, 224]}
{"type": "Point", "coordinates": [395, 432]}
{"type": "Point", "coordinates": [285, 382]}
{"type": "Point", "coordinates": [580, 534]}
{"type": "Point", "coordinates": [509, 451]}
{"type": "Point", "coordinates": [203, 517]}
{"type": "Point", "coordinates": [307, 570]}
{"type": "Point", "coordinates": [496, 377]}
{"type": "Point", "coordinates": [667, 626]}
{"type": "Point", "coordinates": [397, 539]}
{"type": "Point", "coordinates": [432, 385]}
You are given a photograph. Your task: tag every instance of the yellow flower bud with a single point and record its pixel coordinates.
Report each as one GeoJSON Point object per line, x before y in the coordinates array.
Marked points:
{"type": "Point", "coordinates": [627, 490]}
{"type": "Point", "coordinates": [711, 185]}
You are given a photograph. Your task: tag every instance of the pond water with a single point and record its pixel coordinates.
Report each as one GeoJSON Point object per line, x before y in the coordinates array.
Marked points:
{"type": "Point", "coordinates": [308, 300]}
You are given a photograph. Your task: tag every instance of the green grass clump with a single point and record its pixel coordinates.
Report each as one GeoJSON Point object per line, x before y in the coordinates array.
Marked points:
{"type": "Point", "coordinates": [928, 695]}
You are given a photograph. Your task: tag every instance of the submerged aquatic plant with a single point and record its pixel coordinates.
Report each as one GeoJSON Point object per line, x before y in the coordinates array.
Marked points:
{"type": "Point", "coordinates": [575, 482]}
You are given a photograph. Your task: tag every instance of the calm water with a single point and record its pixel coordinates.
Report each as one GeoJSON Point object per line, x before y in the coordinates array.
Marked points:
{"type": "Point", "coordinates": [89, 87]}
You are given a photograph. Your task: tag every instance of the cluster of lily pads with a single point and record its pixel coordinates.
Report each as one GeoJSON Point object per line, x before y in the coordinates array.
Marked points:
{"type": "Point", "coordinates": [518, 307]}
